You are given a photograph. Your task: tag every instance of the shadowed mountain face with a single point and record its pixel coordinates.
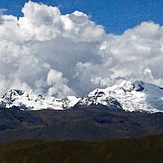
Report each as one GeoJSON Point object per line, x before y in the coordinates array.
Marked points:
{"type": "Point", "coordinates": [84, 123]}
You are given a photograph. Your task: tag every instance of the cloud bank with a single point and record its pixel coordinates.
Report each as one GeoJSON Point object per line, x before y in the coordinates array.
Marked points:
{"type": "Point", "coordinates": [62, 55]}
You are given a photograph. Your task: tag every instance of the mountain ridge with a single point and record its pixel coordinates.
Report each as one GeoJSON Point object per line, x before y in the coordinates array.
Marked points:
{"type": "Point", "coordinates": [85, 123]}
{"type": "Point", "coordinates": [128, 95]}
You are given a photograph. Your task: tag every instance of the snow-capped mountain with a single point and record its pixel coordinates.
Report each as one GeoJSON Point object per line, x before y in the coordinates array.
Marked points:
{"type": "Point", "coordinates": [33, 101]}
{"type": "Point", "coordinates": [128, 96]}
{"type": "Point", "coordinates": [100, 97]}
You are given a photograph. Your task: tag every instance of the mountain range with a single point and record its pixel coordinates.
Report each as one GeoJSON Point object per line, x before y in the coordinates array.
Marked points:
{"type": "Point", "coordinates": [126, 110]}
{"type": "Point", "coordinates": [128, 95]}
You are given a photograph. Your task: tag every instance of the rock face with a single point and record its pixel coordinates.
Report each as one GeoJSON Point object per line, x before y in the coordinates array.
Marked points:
{"type": "Point", "coordinates": [129, 96]}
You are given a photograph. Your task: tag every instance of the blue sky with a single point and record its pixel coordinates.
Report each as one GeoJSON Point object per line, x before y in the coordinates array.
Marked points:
{"type": "Point", "coordinates": [115, 15]}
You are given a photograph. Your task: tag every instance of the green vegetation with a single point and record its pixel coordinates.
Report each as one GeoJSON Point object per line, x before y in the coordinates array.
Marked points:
{"type": "Point", "coordinates": [89, 123]}
{"type": "Point", "coordinates": [146, 149]}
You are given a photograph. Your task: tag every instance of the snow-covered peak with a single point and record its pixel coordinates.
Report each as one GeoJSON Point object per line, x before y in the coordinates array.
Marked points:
{"type": "Point", "coordinates": [33, 101]}
{"type": "Point", "coordinates": [98, 97]}
{"type": "Point", "coordinates": [130, 95]}
{"type": "Point", "coordinates": [126, 85]}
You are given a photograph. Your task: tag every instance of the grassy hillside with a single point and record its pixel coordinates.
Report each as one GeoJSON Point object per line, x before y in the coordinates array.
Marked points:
{"type": "Point", "coordinates": [147, 149]}
{"type": "Point", "coordinates": [77, 124]}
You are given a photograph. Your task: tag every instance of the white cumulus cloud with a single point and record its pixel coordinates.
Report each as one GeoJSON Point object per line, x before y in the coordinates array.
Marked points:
{"type": "Point", "coordinates": [62, 55]}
